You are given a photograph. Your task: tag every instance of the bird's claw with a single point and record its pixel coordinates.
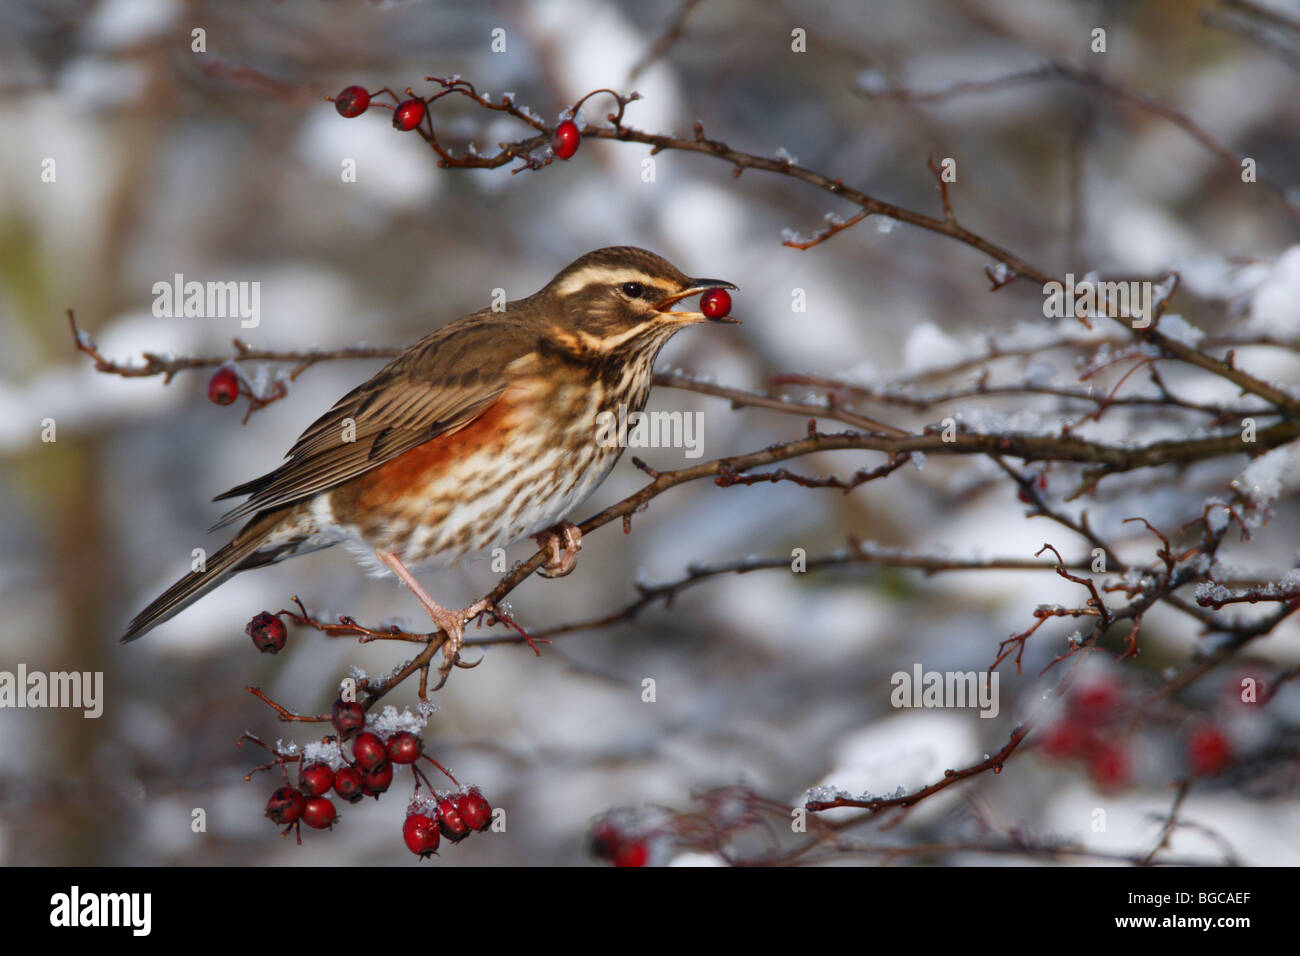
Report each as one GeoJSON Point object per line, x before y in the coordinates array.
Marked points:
{"type": "Point", "coordinates": [565, 541]}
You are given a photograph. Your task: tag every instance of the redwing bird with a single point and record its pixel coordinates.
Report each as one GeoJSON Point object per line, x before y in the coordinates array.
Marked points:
{"type": "Point", "coordinates": [482, 433]}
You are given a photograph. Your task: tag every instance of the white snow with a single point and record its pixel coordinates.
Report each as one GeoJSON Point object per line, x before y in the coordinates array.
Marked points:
{"type": "Point", "coordinates": [1180, 330]}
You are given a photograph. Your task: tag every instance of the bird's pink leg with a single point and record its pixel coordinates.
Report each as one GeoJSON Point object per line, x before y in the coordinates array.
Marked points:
{"type": "Point", "coordinates": [451, 622]}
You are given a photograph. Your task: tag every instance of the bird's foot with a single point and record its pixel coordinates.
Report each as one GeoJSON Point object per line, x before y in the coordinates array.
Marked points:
{"type": "Point", "coordinates": [565, 541]}
{"type": "Point", "coordinates": [453, 626]}
{"type": "Point", "coordinates": [452, 623]}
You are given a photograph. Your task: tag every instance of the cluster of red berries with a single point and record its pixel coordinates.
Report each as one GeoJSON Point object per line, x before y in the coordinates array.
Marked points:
{"type": "Point", "coordinates": [451, 815]}
{"type": "Point", "coordinates": [611, 843]}
{"type": "Point", "coordinates": [410, 113]}
{"type": "Point", "coordinates": [369, 773]}
{"type": "Point", "coordinates": [1078, 736]}
{"type": "Point", "coordinates": [407, 114]}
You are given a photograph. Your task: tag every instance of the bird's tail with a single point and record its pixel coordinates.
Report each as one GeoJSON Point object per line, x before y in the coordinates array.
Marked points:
{"type": "Point", "coordinates": [236, 556]}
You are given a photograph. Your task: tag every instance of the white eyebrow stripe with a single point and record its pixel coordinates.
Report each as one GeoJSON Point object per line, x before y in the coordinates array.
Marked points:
{"type": "Point", "coordinates": [609, 275]}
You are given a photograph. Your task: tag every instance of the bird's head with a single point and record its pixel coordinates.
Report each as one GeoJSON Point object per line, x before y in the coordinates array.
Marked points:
{"type": "Point", "coordinates": [621, 296]}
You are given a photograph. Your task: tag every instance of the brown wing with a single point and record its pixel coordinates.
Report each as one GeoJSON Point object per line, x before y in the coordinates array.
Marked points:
{"type": "Point", "coordinates": [440, 384]}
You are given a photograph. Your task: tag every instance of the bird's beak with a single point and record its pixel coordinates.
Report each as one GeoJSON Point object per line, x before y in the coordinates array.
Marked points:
{"type": "Point", "coordinates": [696, 287]}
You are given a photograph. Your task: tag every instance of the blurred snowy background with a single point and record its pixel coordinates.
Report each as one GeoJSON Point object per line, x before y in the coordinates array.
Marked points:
{"type": "Point", "coordinates": [225, 165]}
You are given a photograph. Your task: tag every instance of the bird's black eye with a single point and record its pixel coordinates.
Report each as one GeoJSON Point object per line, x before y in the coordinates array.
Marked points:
{"type": "Point", "coordinates": [633, 290]}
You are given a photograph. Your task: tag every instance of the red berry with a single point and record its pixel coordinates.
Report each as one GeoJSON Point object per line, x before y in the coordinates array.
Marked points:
{"type": "Point", "coordinates": [404, 747]}
{"type": "Point", "coordinates": [352, 101]}
{"type": "Point", "coordinates": [223, 387]}
{"type": "Point", "coordinates": [452, 824]}
{"type": "Point", "coordinates": [605, 841]}
{"type": "Point", "coordinates": [715, 303]}
{"type": "Point", "coordinates": [267, 632]}
{"type": "Point", "coordinates": [1067, 739]}
{"type": "Point", "coordinates": [1209, 750]}
{"type": "Point", "coordinates": [1108, 765]}
{"type": "Point", "coordinates": [474, 809]}
{"type": "Point", "coordinates": [347, 716]}
{"type": "Point", "coordinates": [635, 853]}
{"type": "Point", "coordinates": [378, 780]}
{"type": "Point", "coordinates": [566, 139]}
{"type": "Point", "coordinates": [408, 115]}
{"type": "Point", "coordinates": [285, 805]}
{"type": "Point", "coordinates": [315, 779]}
{"type": "Point", "coordinates": [319, 813]}
{"type": "Point", "coordinates": [420, 834]}
{"type": "Point", "coordinates": [350, 784]}
{"type": "Point", "coordinates": [1095, 703]}
{"type": "Point", "coordinates": [369, 751]}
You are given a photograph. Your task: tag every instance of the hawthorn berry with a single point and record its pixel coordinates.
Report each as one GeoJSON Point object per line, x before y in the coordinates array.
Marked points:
{"type": "Point", "coordinates": [1067, 739]}
{"type": "Point", "coordinates": [605, 841]}
{"type": "Point", "coordinates": [420, 833]}
{"type": "Point", "coordinates": [633, 853]}
{"type": "Point", "coordinates": [378, 780]}
{"type": "Point", "coordinates": [474, 809]}
{"type": "Point", "coordinates": [1095, 703]}
{"type": "Point", "coordinates": [369, 752]}
{"type": "Point", "coordinates": [1208, 750]}
{"type": "Point", "coordinates": [404, 747]}
{"type": "Point", "coordinates": [350, 784]}
{"type": "Point", "coordinates": [315, 779]}
{"type": "Point", "coordinates": [223, 387]}
{"type": "Point", "coordinates": [715, 303]}
{"type": "Point", "coordinates": [566, 139]}
{"type": "Point", "coordinates": [267, 632]}
{"type": "Point", "coordinates": [1108, 765]}
{"type": "Point", "coordinates": [353, 101]}
{"type": "Point", "coordinates": [450, 822]}
{"type": "Point", "coordinates": [347, 716]}
{"type": "Point", "coordinates": [319, 813]}
{"type": "Point", "coordinates": [285, 805]}
{"type": "Point", "coordinates": [408, 114]}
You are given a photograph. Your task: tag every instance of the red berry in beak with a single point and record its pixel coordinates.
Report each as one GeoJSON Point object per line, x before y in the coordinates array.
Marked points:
{"type": "Point", "coordinates": [715, 303]}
